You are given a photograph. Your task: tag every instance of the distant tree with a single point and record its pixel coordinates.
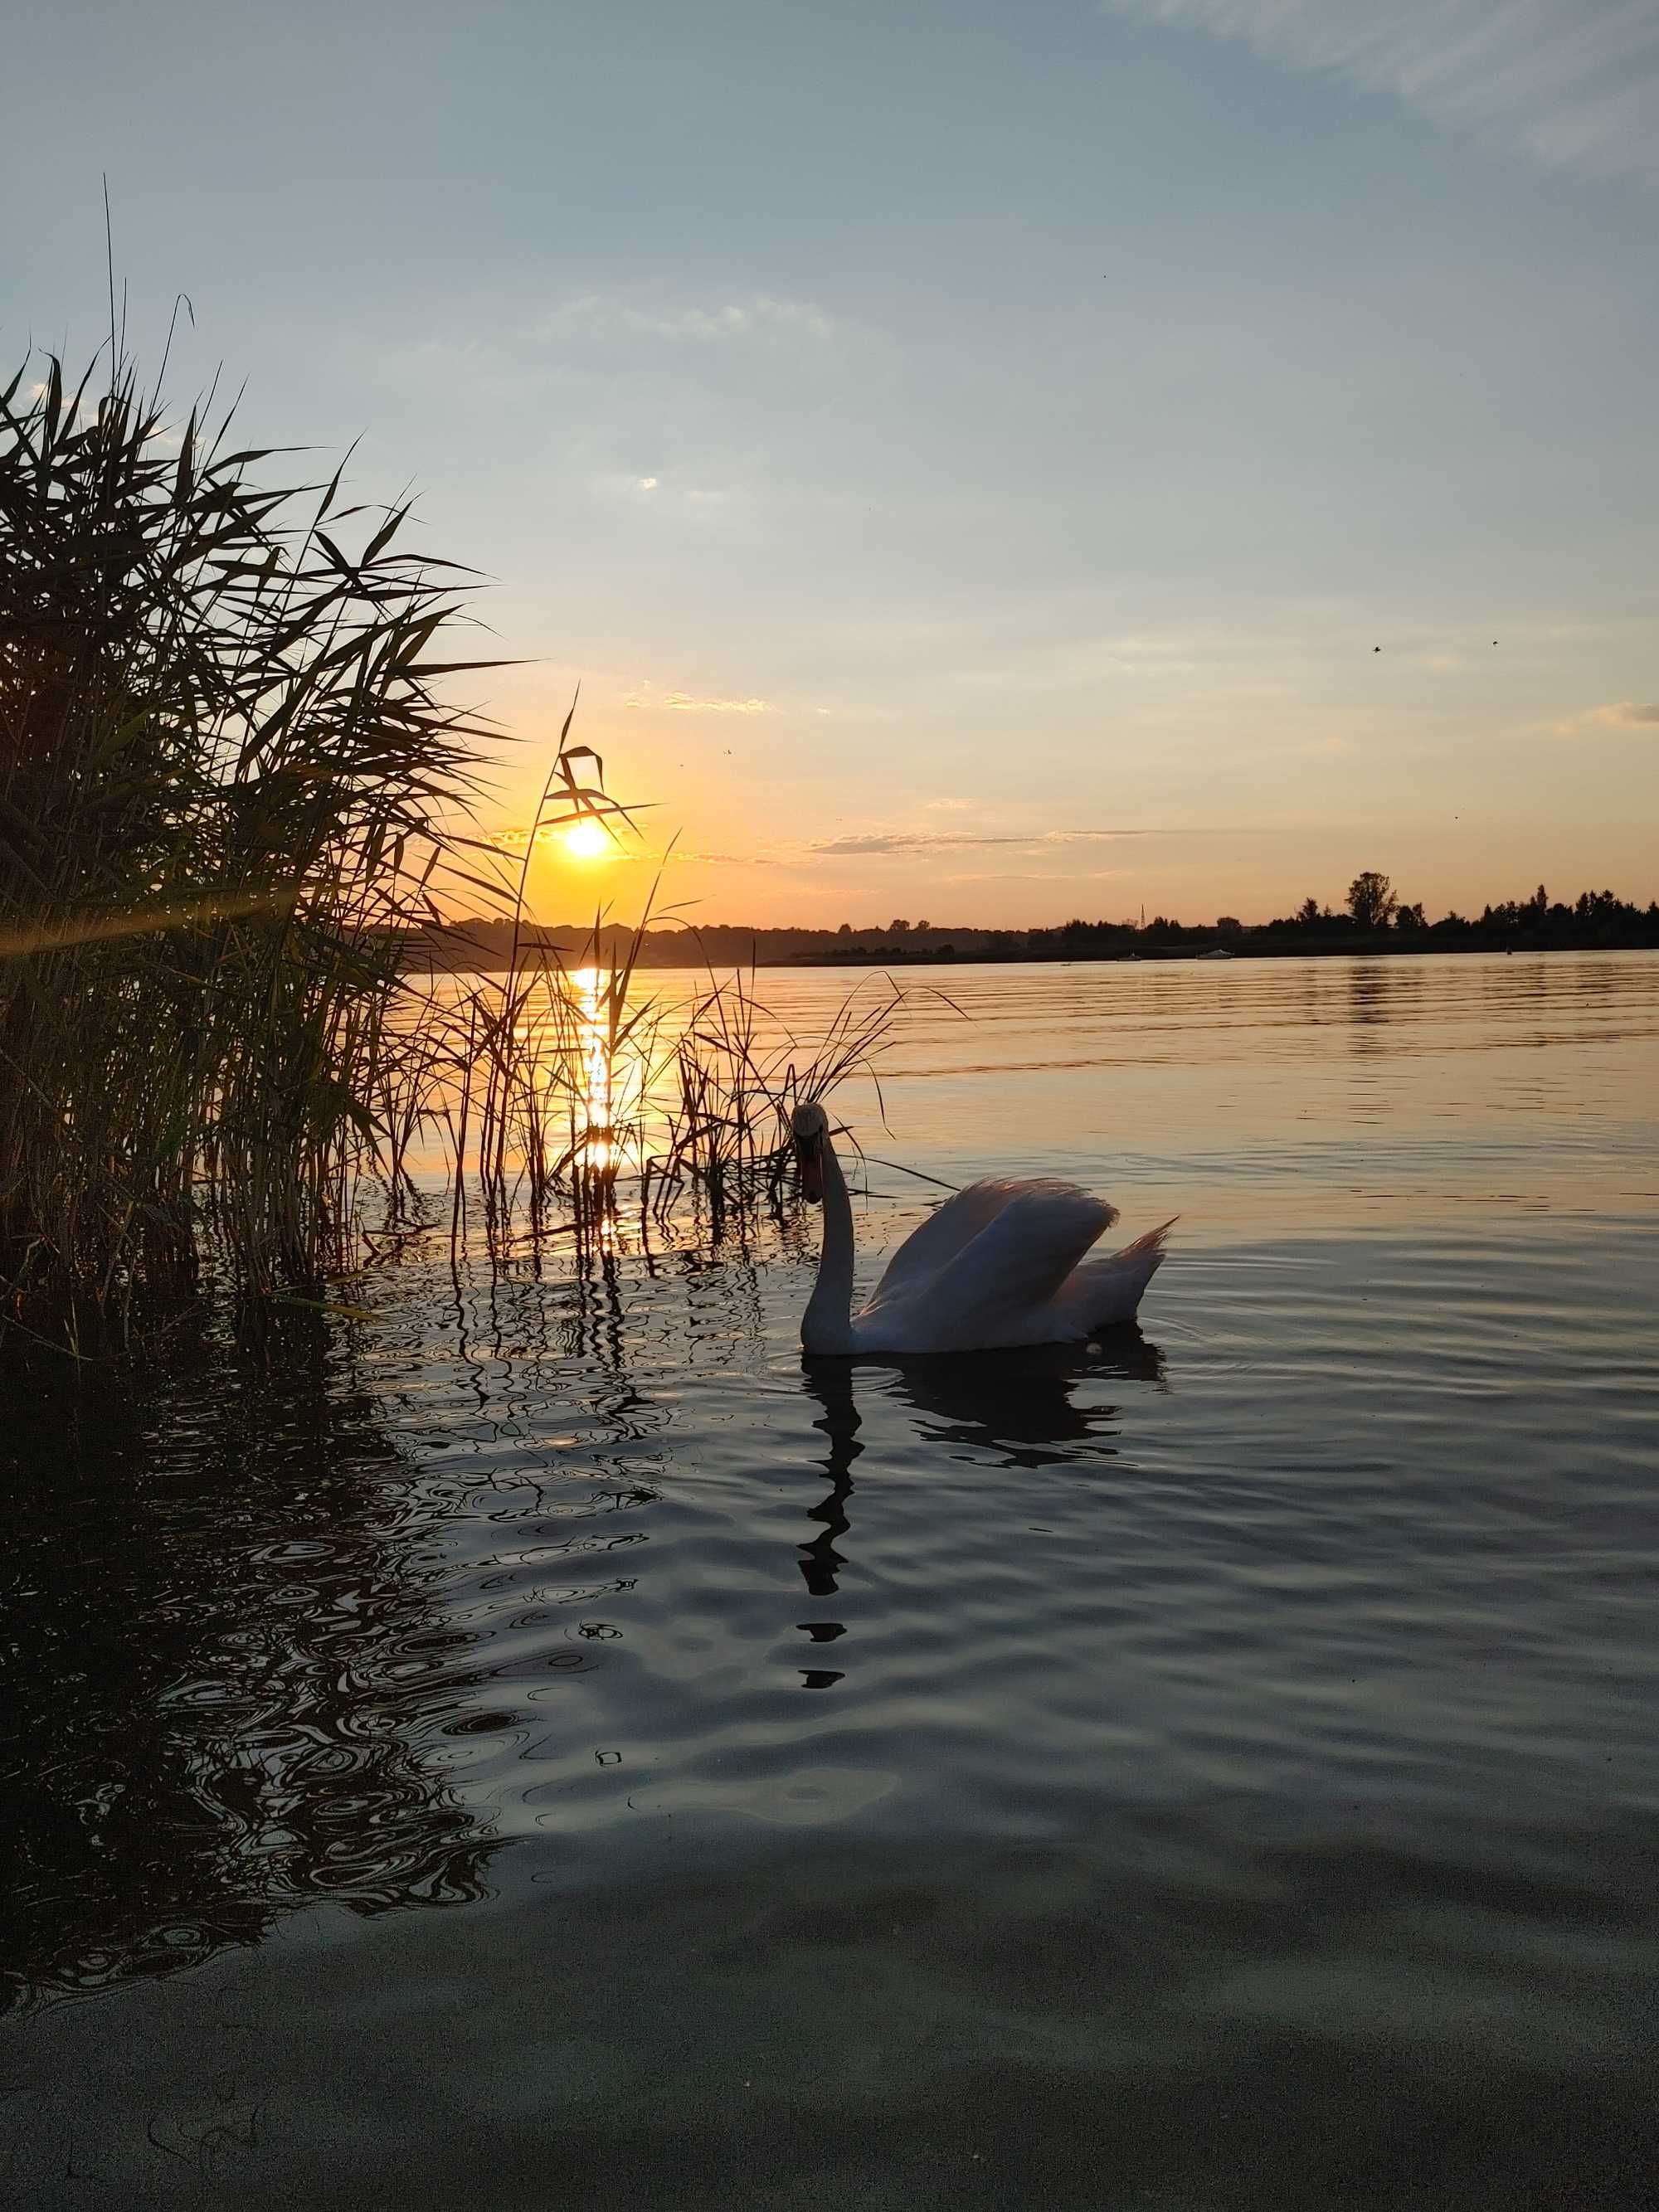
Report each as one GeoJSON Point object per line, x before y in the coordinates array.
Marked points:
{"type": "Point", "coordinates": [846, 930]}
{"type": "Point", "coordinates": [1228, 925]}
{"type": "Point", "coordinates": [924, 925]}
{"type": "Point", "coordinates": [1371, 901]}
{"type": "Point", "coordinates": [899, 929]}
{"type": "Point", "coordinates": [1411, 918]}
{"type": "Point", "coordinates": [1308, 913]}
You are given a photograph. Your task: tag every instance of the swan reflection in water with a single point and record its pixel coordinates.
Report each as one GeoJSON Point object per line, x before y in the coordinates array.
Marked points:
{"type": "Point", "coordinates": [997, 1409]}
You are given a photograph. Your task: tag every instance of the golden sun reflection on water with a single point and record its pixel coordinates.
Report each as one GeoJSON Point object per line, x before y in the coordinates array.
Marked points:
{"type": "Point", "coordinates": [1424, 1090]}
{"type": "Point", "coordinates": [600, 1152]}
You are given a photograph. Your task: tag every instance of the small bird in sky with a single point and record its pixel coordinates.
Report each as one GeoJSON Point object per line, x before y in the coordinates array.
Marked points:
{"type": "Point", "coordinates": [1376, 648]}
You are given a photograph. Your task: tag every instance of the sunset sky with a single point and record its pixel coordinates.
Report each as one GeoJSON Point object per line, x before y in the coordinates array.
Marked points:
{"type": "Point", "coordinates": [969, 451]}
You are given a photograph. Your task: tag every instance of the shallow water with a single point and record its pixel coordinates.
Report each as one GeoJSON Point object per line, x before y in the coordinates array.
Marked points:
{"type": "Point", "coordinates": [549, 1747]}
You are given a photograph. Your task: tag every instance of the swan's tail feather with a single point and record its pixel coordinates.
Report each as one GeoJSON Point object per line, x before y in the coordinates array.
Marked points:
{"type": "Point", "coordinates": [1112, 1288]}
{"type": "Point", "coordinates": [1151, 1240]}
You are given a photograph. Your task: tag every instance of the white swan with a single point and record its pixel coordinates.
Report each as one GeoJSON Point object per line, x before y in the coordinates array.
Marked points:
{"type": "Point", "coordinates": [1001, 1263]}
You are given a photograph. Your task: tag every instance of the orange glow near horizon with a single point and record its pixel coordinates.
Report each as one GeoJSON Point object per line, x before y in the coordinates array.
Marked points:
{"type": "Point", "coordinates": [1311, 793]}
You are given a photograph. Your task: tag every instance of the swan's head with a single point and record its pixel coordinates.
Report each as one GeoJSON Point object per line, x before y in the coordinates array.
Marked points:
{"type": "Point", "coordinates": [809, 1130]}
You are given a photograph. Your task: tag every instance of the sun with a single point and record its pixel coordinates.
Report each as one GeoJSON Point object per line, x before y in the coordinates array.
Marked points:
{"type": "Point", "coordinates": [586, 840]}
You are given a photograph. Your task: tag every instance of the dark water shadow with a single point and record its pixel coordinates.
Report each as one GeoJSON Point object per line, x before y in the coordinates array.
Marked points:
{"type": "Point", "coordinates": [1023, 1408]}
{"type": "Point", "coordinates": [219, 1668]}
{"type": "Point", "coordinates": [1020, 1408]}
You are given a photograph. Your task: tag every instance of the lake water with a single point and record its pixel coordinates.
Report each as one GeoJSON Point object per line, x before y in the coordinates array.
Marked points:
{"type": "Point", "coordinates": [545, 1747]}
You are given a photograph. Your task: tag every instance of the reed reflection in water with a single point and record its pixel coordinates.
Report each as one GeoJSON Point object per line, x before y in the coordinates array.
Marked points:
{"type": "Point", "coordinates": [219, 1652]}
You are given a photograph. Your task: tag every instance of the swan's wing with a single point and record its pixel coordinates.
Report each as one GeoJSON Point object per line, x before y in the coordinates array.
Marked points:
{"type": "Point", "coordinates": [943, 1235]}
{"type": "Point", "coordinates": [1035, 1235]}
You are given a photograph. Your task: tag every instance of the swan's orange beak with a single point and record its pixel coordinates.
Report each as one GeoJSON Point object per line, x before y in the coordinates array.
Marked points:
{"type": "Point", "coordinates": [811, 1172]}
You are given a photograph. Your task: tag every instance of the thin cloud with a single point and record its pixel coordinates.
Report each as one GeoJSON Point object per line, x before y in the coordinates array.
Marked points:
{"type": "Point", "coordinates": [760, 317]}
{"type": "Point", "coordinates": [865, 843]}
{"type": "Point", "coordinates": [1031, 876]}
{"type": "Point", "coordinates": [678, 497]}
{"type": "Point", "coordinates": [685, 702]}
{"type": "Point", "coordinates": [877, 844]}
{"type": "Point", "coordinates": [1573, 84]}
{"type": "Point", "coordinates": [681, 856]}
{"type": "Point", "coordinates": [1617, 714]}
{"type": "Point", "coordinates": [512, 837]}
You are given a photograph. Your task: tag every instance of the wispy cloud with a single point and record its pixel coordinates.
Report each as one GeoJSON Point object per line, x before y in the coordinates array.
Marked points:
{"type": "Point", "coordinates": [877, 842]}
{"type": "Point", "coordinates": [688, 856]}
{"type": "Point", "coordinates": [512, 837]}
{"type": "Point", "coordinates": [1029, 876]}
{"type": "Point", "coordinates": [1574, 84]}
{"type": "Point", "coordinates": [1617, 714]}
{"type": "Point", "coordinates": [686, 703]}
{"type": "Point", "coordinates": [761, 318]}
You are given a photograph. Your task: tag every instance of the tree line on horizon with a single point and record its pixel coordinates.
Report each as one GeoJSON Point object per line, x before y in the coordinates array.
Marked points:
{"type": "Point", "coordinates": [1372, 918]}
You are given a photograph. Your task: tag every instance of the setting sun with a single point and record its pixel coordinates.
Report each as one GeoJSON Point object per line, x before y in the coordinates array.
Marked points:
{"type": "Point", "coordinates": [586, 840]}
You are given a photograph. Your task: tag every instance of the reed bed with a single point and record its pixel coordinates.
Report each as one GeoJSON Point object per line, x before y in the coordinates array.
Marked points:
{"type": "Point", "coordinates": [727, 1110]}
{"type": "Point", "coordinates": [233, 789]}
{"type": "Point", "coordinates": [576, 1102]}
{"type": "Point", "coordinates": [221, 756]}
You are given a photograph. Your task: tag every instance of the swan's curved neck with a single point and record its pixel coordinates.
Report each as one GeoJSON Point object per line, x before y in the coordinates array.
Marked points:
{"type": "Point", "coordinates": [827, 1324]}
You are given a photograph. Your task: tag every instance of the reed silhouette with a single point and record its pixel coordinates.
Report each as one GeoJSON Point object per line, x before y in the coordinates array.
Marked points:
{"type": "Point", "coordinates": [235, 800]}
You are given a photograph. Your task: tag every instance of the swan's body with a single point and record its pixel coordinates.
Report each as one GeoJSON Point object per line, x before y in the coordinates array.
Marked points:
{"type": "Point", "coordinates": [1002, 1263]}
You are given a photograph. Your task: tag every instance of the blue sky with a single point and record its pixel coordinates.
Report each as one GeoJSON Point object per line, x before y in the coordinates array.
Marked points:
{"type": "Point", "coordinates": [968, 451]}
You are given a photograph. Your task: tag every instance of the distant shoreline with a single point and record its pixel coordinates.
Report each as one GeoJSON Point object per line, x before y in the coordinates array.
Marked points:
{"type": "Point", "coordinates": [1388, 948]}
{"type": "Point", "coordinates": [1595, 922]}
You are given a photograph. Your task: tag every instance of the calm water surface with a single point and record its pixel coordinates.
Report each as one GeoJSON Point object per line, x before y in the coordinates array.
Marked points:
{"type": "Point", "coordinates": [546, 1746]}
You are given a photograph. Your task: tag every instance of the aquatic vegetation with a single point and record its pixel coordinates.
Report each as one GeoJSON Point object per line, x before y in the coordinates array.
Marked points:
{"type": "Point", "coordinates": [233, 789]}
{"type": "Point", "coordinates": [573, 1099]}
{"type": "Point", "coordinates": [223, 760]}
